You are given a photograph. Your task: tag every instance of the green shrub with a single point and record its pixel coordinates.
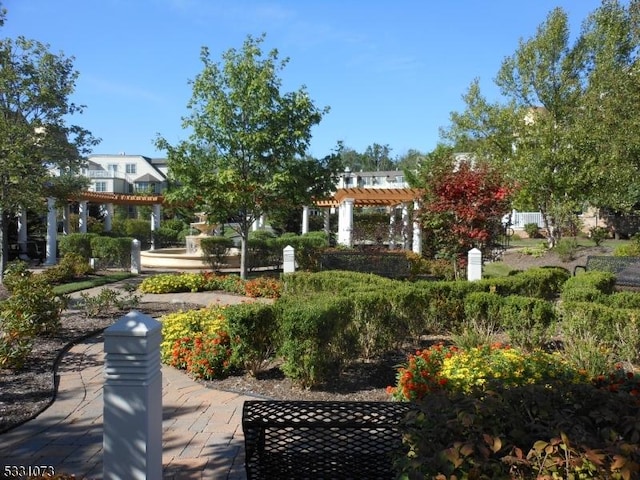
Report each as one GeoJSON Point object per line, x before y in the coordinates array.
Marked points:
{"type": "Point", "coordinates": [70, 267]}
{"type": "Point", "coordinates": [532, 230]}
{"type": "Point", "coordinates": [629, 249]}
{"type": "Point", "coordinates": [16, 339]}
{"type": "Point", "coordinates": [373, 323]}
{"type": "Point", "coordinates": [596, 337]}
{"type": "Point", "coordinates": [315, 341]}
{"type": "Point", "coordinates": [138, 229]}
{"type": "Point", "coordinates": [33, 303]}
{"type": "Point", "coordinates": [527, 321]}
{"type": "Point", "coordinates": [603, 282]}
{"type": "Point", "coordinates": [307, 248]}
{"type": "Point", "coordinates": [261, 251]}
{"type": "Point", "coordinates": [112, 251]}
{"type": "Point", "coordinates": [79, 243]}
{"type": "Point", "coordinates": [566, 249]}
{"type": "Point", "coordinates": [622, 300]}
{"type": "Point", "coordinates": [254, 335]}
{"type": "Point", "coordinates": [214, 250]}
{"type": "Point", "coordinates": [598, 235]}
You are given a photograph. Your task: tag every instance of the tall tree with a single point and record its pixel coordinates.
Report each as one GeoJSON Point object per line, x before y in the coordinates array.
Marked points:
{"type": "Point", "coordinates": [569, 109]}
{"type": "Point", "coordinates": [606, 130]}
{"type": "Point", "coordinates": [35, 90]}
{"type": "Point", "coordinates": [247, 139]}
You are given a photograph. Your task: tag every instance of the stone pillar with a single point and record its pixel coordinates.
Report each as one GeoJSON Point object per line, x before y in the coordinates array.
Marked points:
{"type": "Point", "coordinates": [305, 219]}
{"type": "Point", "coordinates": [52, 232]}
{"type": "Point", "coordinates": [135, 256]}
{"type": "Point", "coordinates": [417, 231]}
{"type": "Point", "coordinates": [289, 256]}
{"type": "Point", "coordinates": [132, 392]}
{"type": "Point", "coordinates": [22, 231]}
{"type": "Point", "coordinates": [474, 265]}
{"type": "Point", "coordinates": [82, 213]}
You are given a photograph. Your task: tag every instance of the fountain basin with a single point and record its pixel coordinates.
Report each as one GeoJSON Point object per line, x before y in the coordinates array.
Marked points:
{"type": "Point", "coordinates": [179, 259]}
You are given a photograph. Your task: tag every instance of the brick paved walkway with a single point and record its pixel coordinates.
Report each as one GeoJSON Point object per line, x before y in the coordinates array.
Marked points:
{"type": "Point", "coordinates": [202, 432]}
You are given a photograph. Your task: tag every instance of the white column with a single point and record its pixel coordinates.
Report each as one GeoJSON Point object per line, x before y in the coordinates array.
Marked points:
{"type": "Point", "coordinates": [392, 228]}
{"type": "Point", "coordinates": [107, 210]}
{"type": "Point", "coordinates": [135, 256]}
{"type": "Point", "coordinates": [345, 222]}
{"type": "Point", "coordinates": [327, 222]}
{"type": "Point", "coordinates": [66, 229]}
{"type": "Point", "coordinates": [305, 219]}
{"type": "Point", "coordinates": [405, 226]}
{"type": "Point", "coordinates": [82, 220]}
{"type": "Point", "coordinates": [155, 223]}
{"type": "Point", "coordinates": [132, 392]}
{"type": "Point", "coordinates": [417, 231]}
{"type": "Point", "coordinates": [52, 232]}
{"type": "Point", "coordinates": [22, 230]}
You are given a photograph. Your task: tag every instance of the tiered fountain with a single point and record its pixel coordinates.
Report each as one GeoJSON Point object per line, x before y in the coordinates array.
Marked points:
{"type": "Point", "coordinates": [189, 257]}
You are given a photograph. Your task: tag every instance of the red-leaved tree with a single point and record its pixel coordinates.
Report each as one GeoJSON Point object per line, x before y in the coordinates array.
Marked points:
{"type": "Point", "coordinates": [462, 208]}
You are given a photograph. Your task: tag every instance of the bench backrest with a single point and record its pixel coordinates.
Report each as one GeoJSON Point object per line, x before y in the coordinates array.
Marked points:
{"type": "Point", "coordinates": [626, 269]}
{"type": "Point", "coordinates": [307, 439]}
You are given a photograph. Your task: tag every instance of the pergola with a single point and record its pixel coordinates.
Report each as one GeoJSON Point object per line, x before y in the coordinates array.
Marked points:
{"type": "Point", "coordinates": [345, 199]}
{"type": "Point", "coordinates": [106, 199]}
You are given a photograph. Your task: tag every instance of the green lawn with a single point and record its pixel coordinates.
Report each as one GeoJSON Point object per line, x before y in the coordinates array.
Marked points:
{"type": "Point", "coordinates": [91, 282]}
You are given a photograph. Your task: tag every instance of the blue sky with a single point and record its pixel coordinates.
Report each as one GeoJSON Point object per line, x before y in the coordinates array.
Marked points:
{"type": "Point", "coordinates": [391, 72]}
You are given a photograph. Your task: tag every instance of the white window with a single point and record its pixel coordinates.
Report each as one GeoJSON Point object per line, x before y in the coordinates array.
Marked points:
{"type": "Point", "coordinates": [131, 168]}
{"type": "Point", "coordinates": [101, 186]}
{"type": "Point", "coordinates": [112, 168]}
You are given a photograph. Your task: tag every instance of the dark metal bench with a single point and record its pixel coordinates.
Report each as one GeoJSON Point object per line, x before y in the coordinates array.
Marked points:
{"type": "Point", "coordinates": [626, 269]}
{"type": "Point", "coordinates": [328, 440]}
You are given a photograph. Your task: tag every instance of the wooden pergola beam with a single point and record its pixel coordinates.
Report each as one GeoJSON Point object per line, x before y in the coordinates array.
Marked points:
{"type": "Point", "coordinates": [372, 197]}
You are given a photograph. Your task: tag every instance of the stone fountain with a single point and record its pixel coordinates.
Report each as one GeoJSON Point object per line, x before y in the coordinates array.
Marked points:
{"type": "Point", "coordinates": [191, 256]}
{"type": "Point", "coordinates": [205, 228]}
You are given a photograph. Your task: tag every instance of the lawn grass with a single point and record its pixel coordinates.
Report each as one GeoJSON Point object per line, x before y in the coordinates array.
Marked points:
{"type": "Point", "coordinates": [91, 282]}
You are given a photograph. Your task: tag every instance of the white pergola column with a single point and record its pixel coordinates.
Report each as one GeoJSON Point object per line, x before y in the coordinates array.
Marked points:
{"type": "Point", "coordinates": [392, 228]}
{"type": "Point", "coordinates": [82, 214]}
{"type": "Point", "coordinates": [66, 211]}
{"type": "Point", "coordinates": [345, 222]}
{"type": "Point", "coordinates": [417, 231]}
{"type": "Point", "coordinates": [52, 232]}
{"type": "Point", "coordinates": [155, 223]}
{"type": "Point", "coordinates": [305, 219]}
{"type": "Point", "coordinates": [405, 226]}
{"type": "Point", "coordinates": [22, 230]}
{"type": "Point", "coordinates": [107, 210]}
{"type": "Point", "coordinates": [327, 222]}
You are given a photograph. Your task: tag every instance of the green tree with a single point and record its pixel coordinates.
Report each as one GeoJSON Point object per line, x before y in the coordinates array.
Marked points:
{"type": "Point", "coordinates": [247, 139]}
{"type": "Point", "coordinates": [314, 179]}
{"type": "Point", "coordinates": [35, 106]}
{"type": "Point", "coordinates": [375, 158]}
{"type": "Point", "coordinates": [605, 131]}
{"type": "Point", "coordinates": [564, 132]}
